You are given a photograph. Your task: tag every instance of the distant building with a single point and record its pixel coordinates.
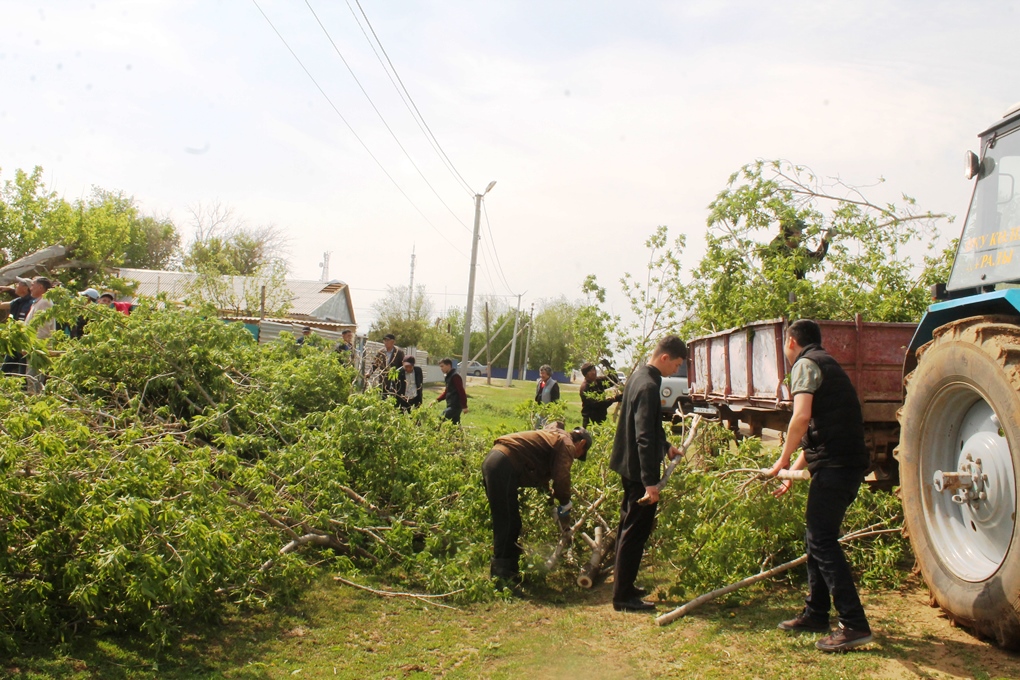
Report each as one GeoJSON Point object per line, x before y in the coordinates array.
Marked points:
{"type": "Point", "coordinates": [266, 306]}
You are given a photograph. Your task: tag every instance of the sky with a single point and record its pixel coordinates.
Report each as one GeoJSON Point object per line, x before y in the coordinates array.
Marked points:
{"type": "Point", "coordinates": [597, 120]}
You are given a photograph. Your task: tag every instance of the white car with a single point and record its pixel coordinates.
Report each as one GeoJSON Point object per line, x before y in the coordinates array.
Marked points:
{"type": "Point", "coordinates": [475, 368]}
{"type": "Point", "coordinates": [675, 392]}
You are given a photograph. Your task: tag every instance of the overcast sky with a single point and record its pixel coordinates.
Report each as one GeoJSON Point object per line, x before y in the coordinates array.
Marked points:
{"type": "Point", "coordinates": [598, 120]}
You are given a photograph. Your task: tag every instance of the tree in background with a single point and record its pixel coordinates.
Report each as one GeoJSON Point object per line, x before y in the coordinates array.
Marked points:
{"type": "Point", "coordinates": [592, 329]}
{"type": "Point", "coordinates": [224, 246]}
{"type": "Point", "coordinates": [552, 334]}
{"type": "Point", "coordinates": [107, 229]}
{"type": "Point", "coordinates": [781, 242]}
{"type": "Point", "coordinates": [411, 319]}
{"type": "Point", "coordinates": [753, 269]}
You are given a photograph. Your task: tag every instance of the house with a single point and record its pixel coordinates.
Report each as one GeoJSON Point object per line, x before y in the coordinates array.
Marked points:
{"type": "Point", "coordinates": [266, 305]}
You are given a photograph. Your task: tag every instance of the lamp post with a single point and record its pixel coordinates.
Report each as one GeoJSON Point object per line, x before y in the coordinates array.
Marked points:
{"type": "Point", "coordinates": [466, 348]}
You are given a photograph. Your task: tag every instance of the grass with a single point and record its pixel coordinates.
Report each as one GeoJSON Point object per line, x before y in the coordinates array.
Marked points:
{"type": "Point", "coordinates": [491, 407]}
{"type": "Point", "coordinates": [558, 631]}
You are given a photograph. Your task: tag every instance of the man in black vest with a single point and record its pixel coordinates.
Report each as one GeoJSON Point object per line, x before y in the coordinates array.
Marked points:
{"type": "Point", "coordinates": [638, 450]}
{"type": "Point", "coordinates": [828, 427]}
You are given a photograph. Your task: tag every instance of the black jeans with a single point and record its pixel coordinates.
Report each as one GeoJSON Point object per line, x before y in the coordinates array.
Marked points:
{"type": "Point", "coordinates": [501, 488]}
{"type": "Point", "coordinates": [636, 522]}
{"type": "Point", "coordinates": [830, 581]}
{"type": "Point", "coordinates": [452, 414]}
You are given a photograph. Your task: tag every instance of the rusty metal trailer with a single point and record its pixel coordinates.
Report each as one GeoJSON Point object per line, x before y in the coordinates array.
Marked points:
{"type": "Point", "coordinates": [740, 376]}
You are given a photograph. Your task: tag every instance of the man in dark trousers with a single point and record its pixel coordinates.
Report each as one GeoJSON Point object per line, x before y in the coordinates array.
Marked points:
{"type": "Point", "coordinates": [454, 394]}
{"type": "Point", "coordinates": [828, 427]}
{"type": "Point", "coordinates": [638, 451]}
{"type": "Point", "coordinates": [532, 458]}
{"type": "Point", "coordinates": [595, 401]}
{"type": "Point", "coordinates": [409, 385]}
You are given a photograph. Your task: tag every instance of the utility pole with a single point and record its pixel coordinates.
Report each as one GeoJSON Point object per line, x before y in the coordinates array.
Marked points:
{"type": "Point", "coordinates": [410, 286]}
{"type": "Point", "coordinates": [488, 339]}
{"type": "Point", "coordinates": [513, 346]}
{"type": "Point", "coordinates": [466, 347]}
{"type": "Point", "coordinates": [527, 345]}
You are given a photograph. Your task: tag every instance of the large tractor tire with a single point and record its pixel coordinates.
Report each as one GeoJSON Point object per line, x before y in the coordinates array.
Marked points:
{"type": "Point", "coordinates": [959, 453]}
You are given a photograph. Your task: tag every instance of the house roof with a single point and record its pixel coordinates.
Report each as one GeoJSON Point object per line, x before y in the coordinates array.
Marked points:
{"type": "Point", "coordinates": [325, 301]}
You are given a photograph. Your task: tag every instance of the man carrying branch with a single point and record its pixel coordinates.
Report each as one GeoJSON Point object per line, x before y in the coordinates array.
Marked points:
{"type": "Point", "coordinates": [828, 426]}
{"type": "Point", "coordinates": [638, 452]}
{"type": "Point", "coordinates": [532, 458]}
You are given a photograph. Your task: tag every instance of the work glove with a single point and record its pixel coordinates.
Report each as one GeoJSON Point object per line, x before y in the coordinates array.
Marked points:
{"type": "Point", "coordinates": [563, 517]}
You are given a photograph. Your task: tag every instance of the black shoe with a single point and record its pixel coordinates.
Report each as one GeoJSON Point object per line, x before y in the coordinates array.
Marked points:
{"type": "Point", "coordinates": [805, 623]}
{"type": "Point", "coordinates": [638, 592]}
{"type": "Point", "coordinates": [634, 604]}
{"type": "Point", "coordinates": [843, 639]}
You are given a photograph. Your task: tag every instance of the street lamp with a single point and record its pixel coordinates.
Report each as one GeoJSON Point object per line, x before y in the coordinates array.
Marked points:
{"type": "Point", "coordinates": [466, 348]}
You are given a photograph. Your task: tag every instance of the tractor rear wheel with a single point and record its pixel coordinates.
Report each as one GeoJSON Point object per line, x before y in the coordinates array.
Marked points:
{"type": "Point", "coordinates": [959, 453]}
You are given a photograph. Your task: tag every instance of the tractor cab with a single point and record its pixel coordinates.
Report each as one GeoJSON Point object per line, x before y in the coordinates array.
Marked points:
{"type": "Point", "coordinates": [989, 250]}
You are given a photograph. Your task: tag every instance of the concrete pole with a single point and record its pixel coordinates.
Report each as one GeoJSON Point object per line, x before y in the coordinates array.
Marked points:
{"type": "Point", "coordinates": [527, 344]}
{"type": "Point", "coordinates": [465, 354]}
{"type": "Point", "coordinates": [513, 346]}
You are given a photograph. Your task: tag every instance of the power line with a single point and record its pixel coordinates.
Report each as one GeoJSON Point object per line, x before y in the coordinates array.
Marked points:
{"type": "Point", "coordinates": [381, 118]}
{"type": "Point", "coordinates": [341, 116]}
{"type": "Point", "coordinates": [405, 96]}
{"type": "Point", "coordinates": [496, 250]}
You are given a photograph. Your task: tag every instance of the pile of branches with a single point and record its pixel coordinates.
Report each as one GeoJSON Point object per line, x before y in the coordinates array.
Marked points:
{"type": "Point", "coordinates": [174, 467]}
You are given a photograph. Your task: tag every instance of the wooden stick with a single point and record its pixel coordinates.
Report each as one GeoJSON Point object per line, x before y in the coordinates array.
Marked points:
{"type": "Point", "coordinates": [567, 537]}
{"type": "Point", "coordinates": [599, 546]}
{"type": "Point", "coordinates": [718, 592]}
{"type": "Point", "coordinates": [389, 593]}
{"type": "Point", "coordinates": [695, 421]}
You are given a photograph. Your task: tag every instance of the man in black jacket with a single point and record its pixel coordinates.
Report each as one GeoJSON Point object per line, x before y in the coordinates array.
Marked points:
{"type": "Point", "coordinates": [638, 451]}
{"type": "Point", "coordinates": [595, 401]}
{"type": "Point", "coordinates": [828, 426]}
{"type": "Point", "coordinates": [409, 384]}
{"type": "Point", "coordinates": [454, 394]}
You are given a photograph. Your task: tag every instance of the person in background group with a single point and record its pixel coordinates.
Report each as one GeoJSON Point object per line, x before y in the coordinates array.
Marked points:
{"type": "Point", "coordinates": [18, 309]}
{"type": "Point", "coordinates": [106, 299]}
{"type": "Point", "coordinates": [532, 458]}
{"type": "Point", "coordinates": [594, 401]}
{"type": "Point", "coordinates": [346, 346]}
{"type": "Point", "coordinates": [389, 357]}
{"type": "Point", "coordinates": [828, 426]}
{"type": "Point", "coordinates": [306, 332]}
{"type": "Point", "coordinates": [638, 451]}
{"type": "Point", "coordinates": [78, 330]}
{"type": "Point", "coordinates": [40, 304]}
{"type": "Point", "coordinates": [409, 386]}
{"type": "Point", "coordinates": [547, 389]}
{"type": "Point", "coordinates": [454, 394]}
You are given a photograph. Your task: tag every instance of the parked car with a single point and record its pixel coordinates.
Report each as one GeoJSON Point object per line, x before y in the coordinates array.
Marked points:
{"type": "Point", "coordinates": [475, 368]}
{"type": "Point", "coordinates": [674, 393]}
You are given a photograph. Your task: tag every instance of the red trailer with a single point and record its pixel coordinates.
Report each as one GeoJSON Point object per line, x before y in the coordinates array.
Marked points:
{"type": "Point", "coordinates": [741, 375]}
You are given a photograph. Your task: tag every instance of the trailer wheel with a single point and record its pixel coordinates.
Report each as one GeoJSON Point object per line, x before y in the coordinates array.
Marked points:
{"type": "Point", "coordinates": [959, 453]}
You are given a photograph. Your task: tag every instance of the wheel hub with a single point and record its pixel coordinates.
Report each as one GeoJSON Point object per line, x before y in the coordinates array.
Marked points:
{"type": "Point", "coordinates": [973, 497]}
{"type": "Point", "coordinates": [969, 483]}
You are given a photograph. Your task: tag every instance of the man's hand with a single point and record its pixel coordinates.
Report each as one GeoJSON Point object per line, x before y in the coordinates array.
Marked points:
{"type": "Point", "coordinates": [783, 487]}
{"type": "Point", "coordinates": [465, 410]}
{"type": "Point", "coordinates": [563, 517]}
{"type": "Point", "coordinates": [673, 452]}
{"type": "Point", "coordinates": [651, 495]}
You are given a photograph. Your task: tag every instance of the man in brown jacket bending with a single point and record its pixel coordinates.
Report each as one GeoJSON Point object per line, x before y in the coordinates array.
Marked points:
{"type": "Point", "coordinates": [531, 458]}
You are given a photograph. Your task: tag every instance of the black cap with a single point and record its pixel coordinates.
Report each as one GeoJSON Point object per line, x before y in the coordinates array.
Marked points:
{"type": "Point", "coordinates": [579, 434]}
